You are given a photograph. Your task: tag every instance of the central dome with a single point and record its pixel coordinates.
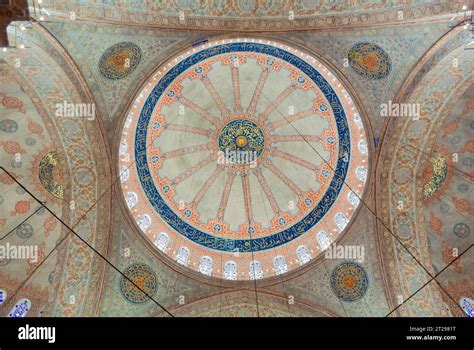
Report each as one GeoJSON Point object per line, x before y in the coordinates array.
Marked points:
{"type": "Point", "coordinates": [248, 158]}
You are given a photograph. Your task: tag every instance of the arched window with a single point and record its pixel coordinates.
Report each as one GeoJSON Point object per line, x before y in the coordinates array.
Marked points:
{"type": "Point", "coordinates": [161, 241]}
{"type": "Point", "coordinates": [279, 265]}
{"type": "Point", "coordinates": [358, 121]}
{"type": "Point", "coordinates": [144, 222]}
{"type": "Point", "coordinates": [205, 265]}
{"type": "Point", "coordinates": [353, 199]}
{"type": "Point", "coordinates": [324, 241]}
{"type": "Point", "coordinates": [131, 199]}
{"type": "Point", "coordinates": [124, 174]}
{"type": "Point", "coordinates": [230, 270]}
{"type": "Point", "coordinates": [255, 270]}
{"type": "Point", "coordinates": [123, 148]}
{"type": "Point", "coordinates": [361, 173]}
{"type": "Point", "coordinates": [341, 221]}
{"type": "Point", "coordinates": [3, 296]}
{"type": "Point", "coordinates": [303, 255]}
{"type": "Point", "coordinates": [128, 121]}
{"type": "Point", "coordinates": [182, 256]}
{"type": "Point", "coordinates": [467, 305]}
{"type": "Point", "coordinates": [363, 147]}
{"type": "Point", "coordinates": [20, 309]}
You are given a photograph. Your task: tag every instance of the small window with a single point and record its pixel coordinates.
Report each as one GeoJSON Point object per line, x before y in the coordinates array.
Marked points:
{"type": "Point", "coordinates": [123, 148]}
{"type": "Point", "coordinates": [205, 266]}
{"type": "Point", "coordinates": [124, 174]}
{"type": "Point", "coordinates": [230, 270]}
{"type": "Point", "coordinates": [279, 265]}
{"type": "Point", "coordinates": [353, 199]}
{"type": "Point", "coordinates": [324, 241]}
{"type": "Point", "coordinates": [361, 173]}
{"type": "Point", "coordinates": [20, 309]}
{"type": "Point", "coordinates": [303, 255]}
{"type": "Point", "coordinates": [131, 199]}
{"type": "Point", "coordinates": [128, 121]}
{"type": "Point", "coordinates": [182, 256]}
{"type": "Point", "coordinates": [468, 306]}
{"type": "Point", "coordinates": [341, 221]}
{"type": "Point", "coordinates": [255, 270]}
{"type": "Point", "coordinates": [363, 147]}
{"type": "Point", "coordinates": [3, 296]}
{"type": "Point", "coordinates": [161, 241]}
{"type": "Point", "coordinates": [144, 222]}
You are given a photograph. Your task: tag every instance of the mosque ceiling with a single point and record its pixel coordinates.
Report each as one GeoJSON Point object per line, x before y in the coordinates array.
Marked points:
{"type": "Point", "coordinates": [413, 144]}
{"type": "Point", "coordinates": [314, 285]}
{"type": "Point", "coordinates": [140, 167]}
{"type": "Point", "coordinates": [88, 42]}
{"type": "Point", "coordinates": [252, 15]}
{"type": "Point", "coordinates": [170, 288]}
{"type": "Point", "coordinates": [66, 169]}
{"type": "Point", "coordinates": [216, 160]}
{"type": "Point", "coordinates": [242, 304]}
{"type": "Point", "coordinates": [447, 196]}
{"type": "Point", "coordinates": [28, 145]}
{"type": "Point", "coordinates": [400, 47]}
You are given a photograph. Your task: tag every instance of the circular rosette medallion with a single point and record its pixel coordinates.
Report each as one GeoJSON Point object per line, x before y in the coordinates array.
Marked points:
{"type": "Point", "coordinates": [142, 277]}
{"type": "Point", "coordinates": [119, 60]}
{"type": "Point", "coordinates": [243, 158]}
{"type": "Point", "coordinates": [349, 281]}
{"type": "Point", "coordinates": [370, 61]}
{"type": "Point", "coordinates": [241, 141]}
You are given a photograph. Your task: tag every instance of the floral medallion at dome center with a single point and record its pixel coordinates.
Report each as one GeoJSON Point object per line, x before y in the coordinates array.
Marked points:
{"type": "Point", "coordinates": [245, 152]}
{"type": "Point", "coordinates": [241, 135]}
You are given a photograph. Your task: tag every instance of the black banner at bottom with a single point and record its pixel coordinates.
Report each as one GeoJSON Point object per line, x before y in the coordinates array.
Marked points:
{"type": "Point", "coordinates": [455, 333]}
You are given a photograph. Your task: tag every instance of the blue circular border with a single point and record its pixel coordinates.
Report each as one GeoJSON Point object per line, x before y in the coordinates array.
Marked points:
{"type": "Point", "coordinates": [242, 245]}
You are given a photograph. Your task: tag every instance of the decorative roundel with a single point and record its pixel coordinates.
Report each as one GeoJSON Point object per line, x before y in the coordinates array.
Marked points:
{"type": "Point", "coordinates": [243, 151]}
{"type": "Point", "coordinates": [50, 174]}
{"type": "Point", "coordinates": [120, 60]}
{"type": "Point", "coordinates": [241, 135]}
{"type": "Point", "coordinates": [369, 61]}
{"type": "Point", "coordinates": [144, 277]}
{"type": "Point", "coordinates": [349, 281]}
{"type": "Point", "coordinates": [8, 125]}
{"type": "Point", "coordinates": [24, 231]}
{"type": "Point", "coordinates": [462, 230]}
